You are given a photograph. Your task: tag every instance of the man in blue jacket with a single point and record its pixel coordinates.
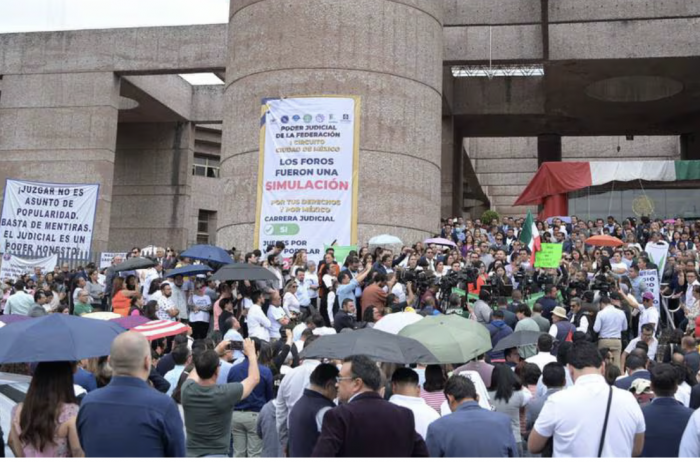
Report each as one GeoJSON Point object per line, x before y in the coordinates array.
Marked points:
{"type": "Point", "coordinates": [470, 431]}
{"type": "Point", "coordinates": [665, 417]}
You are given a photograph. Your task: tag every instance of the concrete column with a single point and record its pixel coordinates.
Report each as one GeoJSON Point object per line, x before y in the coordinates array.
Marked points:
{"type": "Point", "coordinates": [447, 177]}
{"type": "Point", "coordinates": [389, 52]}
{"type": "Point", "coordinates": [548, 148]}
{"type": "Point", "coordinates": [690, 146]}
{"type": "Point", "coordinates": [61, 128]}
{"type": "Point", "coordinates": [152, 185]}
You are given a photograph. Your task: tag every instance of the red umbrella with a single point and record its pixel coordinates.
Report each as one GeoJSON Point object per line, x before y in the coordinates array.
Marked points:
{"type": "Point", "coordinates": [158, 329]}
{"type": "Point", "coordinates": [604, 241]}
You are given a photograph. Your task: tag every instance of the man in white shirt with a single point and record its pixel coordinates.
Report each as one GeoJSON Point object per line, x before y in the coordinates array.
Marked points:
{"type": "Point", "coordinates": [544, 355]}
{"type": "Point", "coordinates": [647, 336]}
{"type": "Point", "coordinates": [609, 324]}
{"type": "Point", "coordinates": [406, 393]}
{"type": "Point", "coordinates": [180, 294]}
{"type": "Point", "coordinates": [648, 313]}
{"type": "Point", "coordinates": [690, 443]}
{"type": "Point", "coordinates": [291, 389]}
{"type": "Point", "coordinates": [258, 323]}
{"type": "Point", "coordinates": [277, 315]}
{"type": "Point", "coordinates": [20, 302]}
{"type": "Point", "coordinates": [575, 417]}
{"type": "Point", "coordinates": [166, 306]}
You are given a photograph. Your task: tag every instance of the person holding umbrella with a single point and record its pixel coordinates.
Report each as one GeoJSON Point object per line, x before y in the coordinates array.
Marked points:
{"type": "Point", "coordinates": [44, 425]}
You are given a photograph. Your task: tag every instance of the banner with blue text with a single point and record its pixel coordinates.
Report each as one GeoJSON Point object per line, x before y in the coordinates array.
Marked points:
{"type": "Point", "coordinates": [307, 177]}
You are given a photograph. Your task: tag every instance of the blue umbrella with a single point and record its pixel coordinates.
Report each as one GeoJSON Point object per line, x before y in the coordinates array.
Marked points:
{"type": "Point", "coordinates": [189, 270]}
{"type": "Point", "coordinates": [56, 337]}
{"type": "Point", "coordinates": [209, 253]}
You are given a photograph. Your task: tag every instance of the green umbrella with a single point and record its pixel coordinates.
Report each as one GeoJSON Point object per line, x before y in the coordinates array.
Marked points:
{"type": "Point", "coordinates": [451, 338]}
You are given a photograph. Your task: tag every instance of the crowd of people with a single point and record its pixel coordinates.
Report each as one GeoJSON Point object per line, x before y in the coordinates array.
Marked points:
{"type": "Point", "coordinates": [612, 373]}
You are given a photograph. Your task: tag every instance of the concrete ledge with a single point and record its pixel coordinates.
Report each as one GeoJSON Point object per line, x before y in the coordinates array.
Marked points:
{"type": "Point", "coordinates": [508, 43]}
{"type": "Point", "coordinates": [207, 104]}
{"type": "Point", "coordinates": [598, 10]}
{"type": "Point", "coordinates": [480, 12]}
{"type": "Point", "coordinates": [133, 50]}
{"type": "Point", "coordinates": [625, 39]}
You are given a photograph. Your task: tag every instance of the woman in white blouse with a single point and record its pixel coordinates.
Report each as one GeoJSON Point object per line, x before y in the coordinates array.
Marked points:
{"type": "Point", "coordinates": [290, 302]}
{"type": "Point", "coordinates": [312, 276]}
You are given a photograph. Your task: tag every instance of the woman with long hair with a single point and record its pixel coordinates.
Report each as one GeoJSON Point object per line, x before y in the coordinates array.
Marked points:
{"type": "Point", "coordinates": [367, 262]}
{"type": "Point", "coordinates": [153, 290]}
{"type": "Point", "coordinates": [433, 388]}
{"type": "Point", "coordinates": [44, 424]}
{"type": "Point", "coordinates": [508, 397]}
{"type": "Point", "coordinates": [136, 305]}
{"type": "Point", "coordinates": [121, 295]}
{"type": "Point", "coordinates": [94, 288]}
{"type": "Point", "coordinates": [299, 261]}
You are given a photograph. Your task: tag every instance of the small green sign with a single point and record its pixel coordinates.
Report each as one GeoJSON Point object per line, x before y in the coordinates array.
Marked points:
{"type": "Point", "coordinates": [460, 292]}
{"type": "Point", "coordinates": [549, 256]}
{"type": "Point", "coordinates": [341, 252]}
{"type": "Point", "coordinates": [289, 229]}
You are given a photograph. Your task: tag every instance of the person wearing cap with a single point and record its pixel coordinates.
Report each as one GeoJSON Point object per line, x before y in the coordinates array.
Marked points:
{"type": "Point", "coordinates": [649, 314]}
{"type": "Point", "coordinates": [560, 328]}
{"type": "Point", "coordinates": [609, 325]}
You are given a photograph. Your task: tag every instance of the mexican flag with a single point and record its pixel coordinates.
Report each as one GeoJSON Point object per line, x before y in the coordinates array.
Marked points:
{"type": "Point", "coordinates": [563, 177]}
{"type": "Point", "coordinates": [531, 237]}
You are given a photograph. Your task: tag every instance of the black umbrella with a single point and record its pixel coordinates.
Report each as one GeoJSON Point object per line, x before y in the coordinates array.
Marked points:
{"type": "Point", "coordinates": [518, 339]}
{"type": "Point", "coordinates": [378, 345]}
{"type": "Point", "coordinates": [243, 272]}
{"type": "Point", "coordinates": [134, 264]}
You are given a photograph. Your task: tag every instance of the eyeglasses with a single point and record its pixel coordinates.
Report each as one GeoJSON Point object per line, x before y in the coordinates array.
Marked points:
{"type": "Point", "coordinates": [340, 379]}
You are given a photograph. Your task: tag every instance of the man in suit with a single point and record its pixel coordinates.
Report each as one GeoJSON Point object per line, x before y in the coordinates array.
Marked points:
{"type": "Point", "coordinates": [636, 369]}
{"type": "Point", "coordinates": [665, 417]}
{"type": "Point", "coordinates": [470, 430]}
{"type": "Point", "coordinates": [366, 425]}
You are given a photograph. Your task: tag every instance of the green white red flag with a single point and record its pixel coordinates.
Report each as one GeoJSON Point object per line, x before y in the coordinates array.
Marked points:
{"type": "Point", "coordinates": [531, 237]}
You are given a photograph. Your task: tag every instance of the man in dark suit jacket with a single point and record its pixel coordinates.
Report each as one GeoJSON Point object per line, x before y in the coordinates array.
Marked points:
{"type": "Point", "coordinates": [635, 366]}
{"type": "Point", "coordinates": [665, 417]}
{"type": "Point", "coordinates": [367, 425]}
{"type": "Point", "coordinates": [470, 431]}
{"type": "Point", "coordinates": [345, 318]}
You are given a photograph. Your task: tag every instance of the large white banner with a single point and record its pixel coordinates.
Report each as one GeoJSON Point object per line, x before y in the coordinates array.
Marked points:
{"type": "Point", "coordinates": [47, 218]}
{"type": "Point", "coordinates": [13, 267]}
{"type": "Point", "coordinates": [307, 177]}
{"type": "Point", "coordinates": [651, 278]}
{"type": "Point", "coordinates": [657, 254]}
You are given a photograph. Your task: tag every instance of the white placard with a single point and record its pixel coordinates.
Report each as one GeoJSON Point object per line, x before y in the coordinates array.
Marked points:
{"type": "Point", "coordinates": [657, 254]}
{"type": "Point", "coordinates": [47, 218]}
{"type": "Point", "coordinates": [13, 267]}
{"type": "Point", "coordinates": [651, 278]}
{"type": "Point", "coordinates": [307, 178]}
{"type": "Point", "coordinates": [107, 257]}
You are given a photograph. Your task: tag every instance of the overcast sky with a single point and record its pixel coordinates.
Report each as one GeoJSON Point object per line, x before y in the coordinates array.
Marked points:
{"type": "Point", "coordinates": [46, 15]}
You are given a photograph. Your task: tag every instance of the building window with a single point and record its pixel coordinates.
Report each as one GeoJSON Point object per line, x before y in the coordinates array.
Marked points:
{"type": "Point", "coordinates": [206, 227]}
{"type": "Point", "coordinates": [206, 166]}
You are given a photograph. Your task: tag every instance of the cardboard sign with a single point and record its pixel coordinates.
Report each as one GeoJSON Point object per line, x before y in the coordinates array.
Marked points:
{"type": "Point", "coordinates": [549, 256]}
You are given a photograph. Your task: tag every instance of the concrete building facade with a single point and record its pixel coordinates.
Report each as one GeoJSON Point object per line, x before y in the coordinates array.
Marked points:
{"type": "Point", "coordinates": [462, 100]}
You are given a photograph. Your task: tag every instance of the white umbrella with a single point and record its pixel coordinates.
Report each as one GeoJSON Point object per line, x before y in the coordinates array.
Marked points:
{"type": "Point", "coordinates": [393, 323]}
{"type": "Point", "coordinates": [385, 239]}
{"type": "Point", "coordinates": [2, 324]}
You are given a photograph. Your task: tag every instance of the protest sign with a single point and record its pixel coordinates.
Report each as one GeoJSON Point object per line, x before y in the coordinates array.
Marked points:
{"type": "Point", "coordinates": [549, 256]}
{"type": "Point", "coordinates": [307, 174]}
{"type": "Point", "coordinates": [13, 267]}
{"type": "Point", "coordinates": [340, 251]}
{"type": "Point", "coordinates": [106, 258]}
{"type": "Point", "coordinates": [657, 254]}
{"type": "Point", "coordinates": [651, 278]}
{"type": "Point", "coordinates": [47, 218]}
